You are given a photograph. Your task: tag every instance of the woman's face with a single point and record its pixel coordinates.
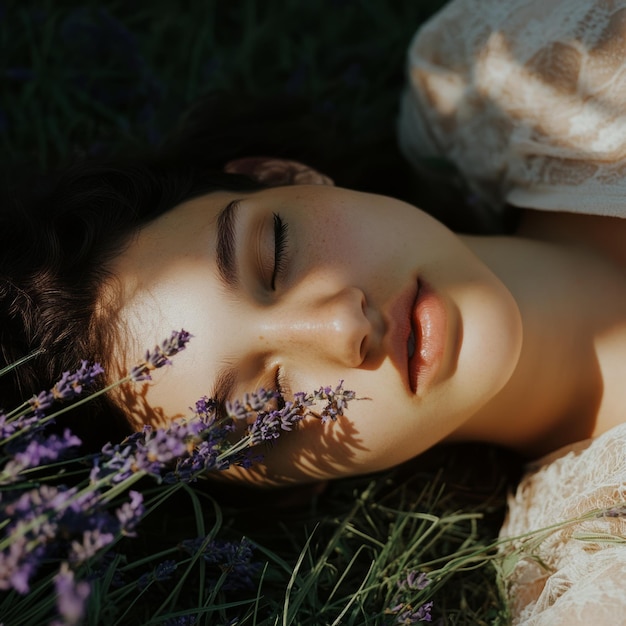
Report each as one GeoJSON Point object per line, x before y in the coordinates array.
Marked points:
{"type": "Point", "coordinates": [304, 286]}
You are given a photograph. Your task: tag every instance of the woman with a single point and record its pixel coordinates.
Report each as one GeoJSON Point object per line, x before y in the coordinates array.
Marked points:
{"type": "Point", "coordinates": [517, 340]}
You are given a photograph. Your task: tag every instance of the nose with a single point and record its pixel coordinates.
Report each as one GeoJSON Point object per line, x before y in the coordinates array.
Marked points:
{"type": "Point", "coordinates": [334, 327]}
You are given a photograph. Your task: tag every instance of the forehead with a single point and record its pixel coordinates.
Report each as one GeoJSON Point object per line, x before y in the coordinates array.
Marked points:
{"type": "Point", "coordinates": [178, 234]}
{"type": "Point", "coordinates": [165, 280]}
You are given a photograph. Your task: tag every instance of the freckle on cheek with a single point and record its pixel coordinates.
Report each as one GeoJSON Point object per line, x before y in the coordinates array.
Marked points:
{"type": "Point", "coordinates": [261, 337]}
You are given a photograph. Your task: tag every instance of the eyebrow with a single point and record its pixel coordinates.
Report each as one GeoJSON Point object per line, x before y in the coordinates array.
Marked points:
{"type": "Point", "coordinates": [225, 253]}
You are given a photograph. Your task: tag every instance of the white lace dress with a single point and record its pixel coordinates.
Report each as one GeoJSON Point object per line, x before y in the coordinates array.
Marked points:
{"type": "Point", "coordinates": [528, 99]}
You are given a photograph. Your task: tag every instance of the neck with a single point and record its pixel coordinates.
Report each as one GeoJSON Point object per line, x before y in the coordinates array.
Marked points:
{"type": "Point", "coordinates": [566, 386]}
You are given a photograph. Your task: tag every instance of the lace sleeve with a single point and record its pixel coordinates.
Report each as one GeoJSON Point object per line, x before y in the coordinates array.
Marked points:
{"type": "Point", "coordinates": [526, 98]}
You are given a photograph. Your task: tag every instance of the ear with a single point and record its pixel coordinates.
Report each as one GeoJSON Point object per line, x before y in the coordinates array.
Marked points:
{"type": "Point", "coordinates": [277, 172]}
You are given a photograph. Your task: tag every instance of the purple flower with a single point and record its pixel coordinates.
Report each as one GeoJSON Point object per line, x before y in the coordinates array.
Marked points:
{"type": "Point", "coordinates": [162, 572]}
{"type": "Point", "coordinates": [71, 385]}
{"type": "Point", "coordinates": [405, 614]}
{"type": "Point", "coordinates": [92, 541]}
{"type": "Point", "coordinates": [336, 401]}
{"type": "Point", "coordinates": [71, 596]}
{"type": "Point", "coordinates": [42, 401]}
{"type": "Point", "coordinates": [269, 425]}
{"type": "Point", "coordinates": [182, 620]}
{"type": "Point", "coordinates": [25, 425]}
{"type": "Point", "coordinates": [415, 580]}
{"type": "Point", "coordinates": [130, 513]}
{"type": "Point", "coordinates": [17, 564]}
{"type": "Point", "coordinates": [229, 557]}
{"type": "Point", "coordinates": [159, 357]}
{"type": "Point", "coordinates": [50, 521]}
{"type": "Point", "coordinates": [205, 409]}
{"type": "Point", "coordinates": [37, 452]}
{"type": "Point", "coordinates": [404, 608]}
{"type": "Point", "coordinates": [251, 405]}
{"type": "Point", "coordinates": [188, 448]}
{"type": "Point", "coordinates": [150, 451]}
{"type": "Point", "coordinates": [165, 570]}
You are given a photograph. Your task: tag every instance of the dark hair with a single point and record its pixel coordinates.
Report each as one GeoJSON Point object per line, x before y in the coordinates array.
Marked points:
{"type": "Point", "coordinates": [55, 246]}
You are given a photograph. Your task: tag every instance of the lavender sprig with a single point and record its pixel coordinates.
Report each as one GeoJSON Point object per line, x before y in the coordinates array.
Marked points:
{"type": "Point", "coordinates": [36, 452]}
{"type": "Point", "coordinates": [71, 596]}
{"type": "Point", "coordinates": [43, 522]}
{"type": "Point", "coordinates": [73, 525]}
{"type": "Point", "coordinates": [48, 520]}
{"type": "Point", "coordinates": [265, 424]}
{"type": "Point", "coordinates": [160, 355]}
{"type": "Point", "coordinates": [234, 559]}
{"type": "Point", "coordinates": [68, 387]}
{"type": "Point", "coordinates": [406, 610]}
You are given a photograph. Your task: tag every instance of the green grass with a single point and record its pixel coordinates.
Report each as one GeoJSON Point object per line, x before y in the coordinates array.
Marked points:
{"type": "Point", "coordinates": [102, 76]}
{"type": "Point", "coordinates": [339, 558]}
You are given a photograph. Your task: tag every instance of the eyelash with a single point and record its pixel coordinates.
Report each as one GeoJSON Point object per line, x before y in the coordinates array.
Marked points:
{"type": "Point", "coordinates": [278, 387]}
{"type": "Point", "coordinates": [280, 245]}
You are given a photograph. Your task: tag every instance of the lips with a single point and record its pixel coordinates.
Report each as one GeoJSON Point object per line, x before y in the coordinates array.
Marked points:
{"type": "Point", "coordinates": [417, 335]}
{"type": "Point", "coordinates": [427, 340]}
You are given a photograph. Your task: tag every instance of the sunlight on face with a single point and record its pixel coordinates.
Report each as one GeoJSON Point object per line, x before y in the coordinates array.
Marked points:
{"type": "Point", "coordinates": [302, 286]}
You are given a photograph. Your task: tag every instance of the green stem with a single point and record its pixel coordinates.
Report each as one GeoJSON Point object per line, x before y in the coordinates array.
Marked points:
{"type": "Point", "coordinates": [19, 362]}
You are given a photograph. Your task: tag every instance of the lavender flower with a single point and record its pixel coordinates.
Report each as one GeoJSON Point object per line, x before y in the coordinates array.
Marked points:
{"type": "Point", "coordinates": [162, 572]}
{"type": "Point", "coordinates": [36, 452]}
{"type": "Point", "coordinates": [149, 451]}
{"type": "Point", "coordinates": [269, 425]}
{"type": "Point", "coordinates": [70, 385]}
{"type": "Point", "coordinates": [251, 405]}
{"type": "Point", "coordinates": [71, 596]}
{"type": "Point", "coordinates": [407, 615]}
{"type": "Point", "coordinates": [18, 563]}
{"type": "Point", "coordinates": [73, 526]}
{"type": "Point", "coordinates": [42, 401]}
{"type": "Point", "coordinates": [159, 357]}
{"type": "Point", "coordinates": [229, 557]}
{"type": "Point", "coordinates": [403, 608]}
{"type": "Point", "coordinates": [414, 580]}
{"type": "Point", "coordinates": [182, 620]}
{"type": "Point", "coordinates": [130, 513]}
{"type": "Point", "coordinates": [336, 401]}
{"type": "Point", "coordinates": [48, 521]}
{"type": "Point", "coordinates": [91, 542]}
{"type": "Point", "coordinates": [24, 425]}
{"type": "Point", "coordinates": [165, 570]}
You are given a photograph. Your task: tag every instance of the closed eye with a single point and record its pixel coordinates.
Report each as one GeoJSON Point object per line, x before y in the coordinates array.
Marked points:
{"type": "Point", "coordinates": [281, 386]}
{"type": "Point", "coordinates": [280, 246]}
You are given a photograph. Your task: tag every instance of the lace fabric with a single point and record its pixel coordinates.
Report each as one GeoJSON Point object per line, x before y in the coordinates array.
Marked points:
{"type": "Point", "coordinates": [574, 574]}
{"type": "Point", "coordinates": [526, 98]}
